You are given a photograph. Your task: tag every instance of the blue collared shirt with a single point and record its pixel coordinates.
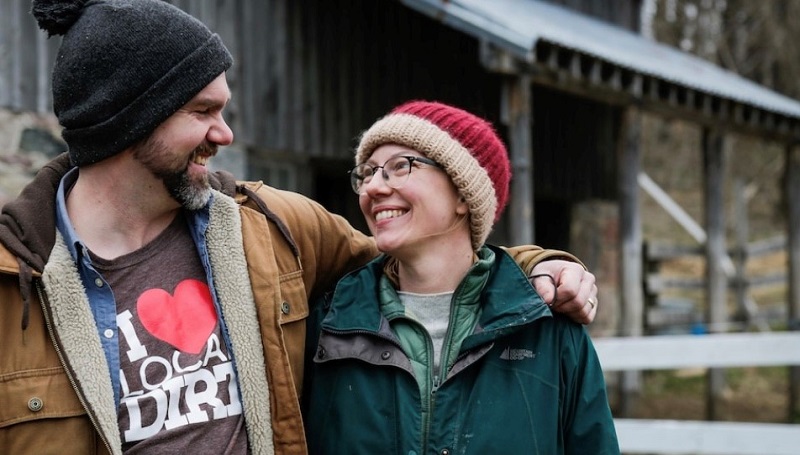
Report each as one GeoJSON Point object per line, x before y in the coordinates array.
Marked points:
{"type": "Point", "coordinates": [101, 298]}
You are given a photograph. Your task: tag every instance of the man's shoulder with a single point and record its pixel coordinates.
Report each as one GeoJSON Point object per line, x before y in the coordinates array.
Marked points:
{"type": "Point", "coordinates": [275, 199]}
{"type": "Point", "coordinates": [260, 187]}
{"type": "Point", "coordinates": [288, 210]}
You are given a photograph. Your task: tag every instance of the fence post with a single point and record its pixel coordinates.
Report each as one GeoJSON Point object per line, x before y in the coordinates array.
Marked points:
{"type": "Point", "coordinates": [630, 231]}
{"type": "Point", "coordinates": [792, 189]}
{"type": "Point", "coordinates": [717, 281]}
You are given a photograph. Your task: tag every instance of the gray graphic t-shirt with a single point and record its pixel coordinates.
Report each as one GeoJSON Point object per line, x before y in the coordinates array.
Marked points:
{"type": "Point", "coordinates": [179, 390]}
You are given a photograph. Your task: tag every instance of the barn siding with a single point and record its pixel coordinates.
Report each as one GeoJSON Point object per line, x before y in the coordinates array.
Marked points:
{"type": "Point", "coordinates": [309, 76]}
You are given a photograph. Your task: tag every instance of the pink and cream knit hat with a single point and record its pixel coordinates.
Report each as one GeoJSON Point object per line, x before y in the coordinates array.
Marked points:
{"type": "Point", "coordinates": [466, 146]}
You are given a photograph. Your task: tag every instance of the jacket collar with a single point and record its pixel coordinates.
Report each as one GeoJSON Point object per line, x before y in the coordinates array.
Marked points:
{"type": "Point", "coordinates": [507, 299]}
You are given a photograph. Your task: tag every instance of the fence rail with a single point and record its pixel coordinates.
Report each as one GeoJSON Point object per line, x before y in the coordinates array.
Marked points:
{"type": "Point", "coordinates": [707, 438]}
{"type": "Point", "coordinates": [711, 351]}
{"type": "Point", "coordinates": [661, 312]}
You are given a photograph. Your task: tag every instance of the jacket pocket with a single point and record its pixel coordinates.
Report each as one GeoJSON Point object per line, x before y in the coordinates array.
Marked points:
{"type": "Point", "coordinates": [294, 304]}
{"type": "Point", "coordinates": [293, 315]}
{"type": "Point", "coordinates": [40, 413]}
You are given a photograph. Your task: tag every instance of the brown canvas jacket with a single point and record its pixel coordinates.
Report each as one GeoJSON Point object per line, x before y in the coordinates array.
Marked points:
{"type": "Point", "coordinates": [55, 396]}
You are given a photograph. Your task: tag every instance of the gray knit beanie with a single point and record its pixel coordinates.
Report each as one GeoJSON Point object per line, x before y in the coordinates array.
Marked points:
{"type": "Point", "coordinates": [124, 66]}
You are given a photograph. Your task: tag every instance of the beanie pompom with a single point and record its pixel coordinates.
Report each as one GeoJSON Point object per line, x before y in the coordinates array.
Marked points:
{"type": "Point", "coordinates": [56, 17]}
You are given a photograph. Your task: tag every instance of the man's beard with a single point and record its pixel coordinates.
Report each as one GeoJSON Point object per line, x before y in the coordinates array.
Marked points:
{"type": "Point", "coordinates": [192, 193]}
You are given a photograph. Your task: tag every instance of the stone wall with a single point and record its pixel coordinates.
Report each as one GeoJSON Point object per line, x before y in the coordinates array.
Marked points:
{"type": "Point", "coordinates": [27, 142]}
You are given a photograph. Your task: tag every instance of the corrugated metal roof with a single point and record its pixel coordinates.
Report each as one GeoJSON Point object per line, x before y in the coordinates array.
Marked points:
{"type": "Point", "coordinates": [518, 25]}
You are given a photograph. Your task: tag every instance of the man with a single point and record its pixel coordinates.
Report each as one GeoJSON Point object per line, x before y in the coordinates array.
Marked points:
{"type": "Point", "coordinates": [147, 305]}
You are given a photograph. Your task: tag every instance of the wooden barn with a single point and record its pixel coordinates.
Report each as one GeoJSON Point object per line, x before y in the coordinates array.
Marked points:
{"type": "Point", "coordinates": [565, 82]}
{"type": "Point", "coordinates": [310, 76]}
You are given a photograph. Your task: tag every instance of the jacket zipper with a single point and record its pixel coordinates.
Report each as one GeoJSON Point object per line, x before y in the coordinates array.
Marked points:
{"type": "Point", "coordinates": [81, 398]}
{"type": "Point", "coordinates": [435, 385]}
{"type": "Point", "coordinates": [434, 382]}
{"type": "Point", "coordinates": [438, 377]}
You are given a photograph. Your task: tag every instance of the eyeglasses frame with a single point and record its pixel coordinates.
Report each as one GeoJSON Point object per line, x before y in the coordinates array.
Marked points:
{"type": "Point", "coordinates": [355, 180]}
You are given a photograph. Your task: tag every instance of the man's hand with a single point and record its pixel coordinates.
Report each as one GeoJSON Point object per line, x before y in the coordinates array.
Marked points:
{"type": "Point", "coordinates": [571, 291]}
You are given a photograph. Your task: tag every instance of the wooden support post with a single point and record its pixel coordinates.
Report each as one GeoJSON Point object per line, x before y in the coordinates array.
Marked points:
{"type": "Point", "coordinates": [792, 189]}
{"type": "Point", "coordinates": [517, 102]}
{"type": "Point", "coordinates": [630, 228]}
{"type": "Point", "coordinates": [717, 280]}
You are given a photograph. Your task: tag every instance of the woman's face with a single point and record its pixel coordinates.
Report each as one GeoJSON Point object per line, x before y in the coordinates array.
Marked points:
{"type": "Point", "coordinates": [425, 210]}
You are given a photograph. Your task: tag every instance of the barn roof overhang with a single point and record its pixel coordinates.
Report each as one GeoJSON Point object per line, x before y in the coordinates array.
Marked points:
{"type": "Point", "coordinates": [576, 53]}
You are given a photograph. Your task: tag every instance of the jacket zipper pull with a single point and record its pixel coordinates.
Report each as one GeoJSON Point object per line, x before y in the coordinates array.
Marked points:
{"type": "Point", "coordinates": [435, 385]}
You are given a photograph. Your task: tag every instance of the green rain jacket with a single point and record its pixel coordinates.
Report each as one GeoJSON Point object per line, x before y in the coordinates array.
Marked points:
{"type": "Point", "coordinates": [517, 379]}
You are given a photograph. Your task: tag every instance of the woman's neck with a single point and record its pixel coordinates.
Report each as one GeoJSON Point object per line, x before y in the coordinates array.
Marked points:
{"type": "Point", "coordinates": [435, 271]}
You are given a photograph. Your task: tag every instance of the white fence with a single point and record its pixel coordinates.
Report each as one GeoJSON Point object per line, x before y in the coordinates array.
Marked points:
{"type": "Point", "coordinates": [681, 437]}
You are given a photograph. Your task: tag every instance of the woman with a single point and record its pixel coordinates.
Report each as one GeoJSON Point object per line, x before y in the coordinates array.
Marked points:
{"type": "Point", "coordinates": [441, 345]}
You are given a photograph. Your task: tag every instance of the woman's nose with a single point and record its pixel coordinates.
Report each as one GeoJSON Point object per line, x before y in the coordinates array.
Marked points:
{"type": "Point", "coordinates": [374, 187]}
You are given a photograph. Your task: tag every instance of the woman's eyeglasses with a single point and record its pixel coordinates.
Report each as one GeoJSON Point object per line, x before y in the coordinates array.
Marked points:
{"type": "Point", "coordinates": [395, 171]}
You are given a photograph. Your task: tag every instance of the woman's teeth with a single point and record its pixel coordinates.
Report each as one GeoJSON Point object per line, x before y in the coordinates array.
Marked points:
{"type": "Point", "coordinates": [388, 214]}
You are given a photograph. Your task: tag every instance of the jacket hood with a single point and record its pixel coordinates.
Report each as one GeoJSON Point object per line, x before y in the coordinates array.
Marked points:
{"type": "Point", "coordinates": [28, 223]}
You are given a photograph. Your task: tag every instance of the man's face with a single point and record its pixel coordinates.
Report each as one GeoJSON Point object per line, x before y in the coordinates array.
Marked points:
{"type": "Point", "coordinates": [178, 150]}
{"type": "Point", "coordinates": [189, 189]}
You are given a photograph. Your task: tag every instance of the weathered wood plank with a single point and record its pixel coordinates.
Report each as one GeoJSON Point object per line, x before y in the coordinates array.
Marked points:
{"type": "Point", "coordinates": [689, 351]}
{"type": "Point", "coordinates": [707, 438]}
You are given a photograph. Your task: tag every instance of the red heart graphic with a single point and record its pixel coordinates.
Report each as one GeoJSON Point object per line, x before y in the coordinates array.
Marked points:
{"type": "Point", "coordinates": [184, 320]}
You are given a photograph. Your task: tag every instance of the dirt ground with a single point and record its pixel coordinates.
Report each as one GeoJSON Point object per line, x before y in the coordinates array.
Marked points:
{"type": "Point", "coordinates": [751, 395]}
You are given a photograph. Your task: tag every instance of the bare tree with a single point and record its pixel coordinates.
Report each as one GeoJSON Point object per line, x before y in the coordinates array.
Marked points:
{"type": "Point", "coordinates": [755, 39]}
